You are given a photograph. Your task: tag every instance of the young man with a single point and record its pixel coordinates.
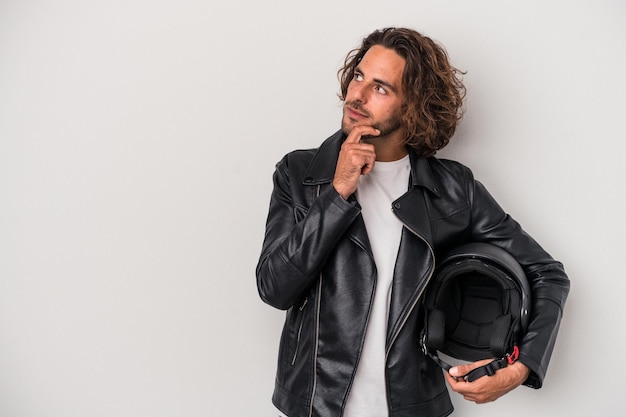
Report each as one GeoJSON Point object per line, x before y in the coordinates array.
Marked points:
{"type": "Point", "coordinates": [353, 234]}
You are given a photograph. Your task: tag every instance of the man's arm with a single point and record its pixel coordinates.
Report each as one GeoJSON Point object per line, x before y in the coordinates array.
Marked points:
{"type": "Point", "coordinates": [298, 240]}
{"type": "Point", "coordinates": [294, 249]}
{"type": "Point", "coordinates": [549, 289]}
{"type": "Point", "coordinates": [548, 281]}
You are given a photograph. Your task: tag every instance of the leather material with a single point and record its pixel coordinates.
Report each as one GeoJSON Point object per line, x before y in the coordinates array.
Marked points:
{"type": "Point", "coordinates": [317, 264]}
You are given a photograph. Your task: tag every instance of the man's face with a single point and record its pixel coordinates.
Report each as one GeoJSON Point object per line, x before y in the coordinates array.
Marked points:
{"type": "Point", "coordinates": [374, 95]}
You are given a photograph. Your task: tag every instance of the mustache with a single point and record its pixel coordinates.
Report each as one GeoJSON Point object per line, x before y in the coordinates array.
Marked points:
{"type": "Point", "coordinates": [355, 105]}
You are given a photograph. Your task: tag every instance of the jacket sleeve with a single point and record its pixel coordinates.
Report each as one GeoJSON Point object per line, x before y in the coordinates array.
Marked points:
{"type": "Point", "coordinates": [547, 279]}
{"type": "Point", "coordinates": [298, 240]}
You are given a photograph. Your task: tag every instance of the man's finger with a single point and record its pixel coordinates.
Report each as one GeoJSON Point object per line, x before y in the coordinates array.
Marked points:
{"type": "Point", "coordinates": [462, 370]}
{"type": "Point", "coordinates": [360, 131]}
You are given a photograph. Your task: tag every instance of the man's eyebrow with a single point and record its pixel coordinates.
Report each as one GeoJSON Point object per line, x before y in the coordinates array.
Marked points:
{"type": "Point", "coordinates": [378, 80]}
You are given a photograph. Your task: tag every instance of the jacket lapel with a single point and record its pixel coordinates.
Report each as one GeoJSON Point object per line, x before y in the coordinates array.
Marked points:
{"type": "Point", "coordinates": [415, 262]}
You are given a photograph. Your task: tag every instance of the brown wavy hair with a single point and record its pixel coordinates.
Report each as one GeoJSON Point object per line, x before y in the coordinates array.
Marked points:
{"type": "Point", "coordinates": [432, 87]}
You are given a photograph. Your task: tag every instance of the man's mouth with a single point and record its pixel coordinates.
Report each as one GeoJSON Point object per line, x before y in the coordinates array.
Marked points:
{"type": "Point", "coordinates": [354, 112]}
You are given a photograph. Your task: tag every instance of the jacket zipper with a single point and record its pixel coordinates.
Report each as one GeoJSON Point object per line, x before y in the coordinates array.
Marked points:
{"type": "Point", "coordinates": [301, 309]}
{"type": "Point", "coordinates": [317, 329]}
{"type": "Point", "coordinates": [419, 295]}
{"type": "Point", "coordinates": [317, 337]}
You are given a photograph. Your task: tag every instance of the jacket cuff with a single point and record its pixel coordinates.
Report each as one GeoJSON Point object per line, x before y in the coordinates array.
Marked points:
{"type": "Point", "coordinates": [535, 378]}
{"type": "Point", "coordinates": [349, 206]}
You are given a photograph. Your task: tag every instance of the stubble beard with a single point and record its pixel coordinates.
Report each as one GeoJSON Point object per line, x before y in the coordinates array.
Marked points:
{"type": "Point", "coordinates": [386, 127]}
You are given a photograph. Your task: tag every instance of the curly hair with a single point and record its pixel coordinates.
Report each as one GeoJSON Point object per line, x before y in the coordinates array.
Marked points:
{"type": "Point", "coordinates": [432, 87]}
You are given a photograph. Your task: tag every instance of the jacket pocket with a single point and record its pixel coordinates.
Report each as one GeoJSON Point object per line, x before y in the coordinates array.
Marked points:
{"type": "Point", "coordinates": [299, 323]}
{"type": "Point", "coordinates": [291, 339]}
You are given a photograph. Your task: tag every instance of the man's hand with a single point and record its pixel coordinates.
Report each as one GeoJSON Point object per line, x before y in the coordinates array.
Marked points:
{"type": "Point", "coordinates": [487, 388]}
{"type": "Point", "coordinates": [355, 159]}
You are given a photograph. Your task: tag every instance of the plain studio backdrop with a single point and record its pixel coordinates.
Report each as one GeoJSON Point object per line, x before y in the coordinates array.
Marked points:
{"type": "Point", "coordinates": [137, 143]}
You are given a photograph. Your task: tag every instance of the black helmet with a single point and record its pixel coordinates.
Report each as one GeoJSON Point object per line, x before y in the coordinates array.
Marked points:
{"type": "Point", "coordinates": [476, 307]}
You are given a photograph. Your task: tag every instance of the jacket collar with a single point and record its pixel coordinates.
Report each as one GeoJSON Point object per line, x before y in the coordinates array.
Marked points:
{"type": "Point", "coordinates": [321, 170]}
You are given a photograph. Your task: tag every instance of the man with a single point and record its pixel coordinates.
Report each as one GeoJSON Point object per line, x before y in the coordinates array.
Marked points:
{"type": "Point", "coordinates": [353, 234]}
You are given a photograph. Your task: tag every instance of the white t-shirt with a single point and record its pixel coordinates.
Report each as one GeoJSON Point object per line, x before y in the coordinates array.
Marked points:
{"type": "Point", "coordinates": [376, 193]}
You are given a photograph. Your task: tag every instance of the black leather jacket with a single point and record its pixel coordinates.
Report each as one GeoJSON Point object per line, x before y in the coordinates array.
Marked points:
{"type": "Point", "coordinates": [316, 262]}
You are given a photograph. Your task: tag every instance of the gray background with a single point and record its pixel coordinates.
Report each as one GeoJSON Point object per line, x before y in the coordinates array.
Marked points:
{"type": "Point", "coordinates": [137, 143]}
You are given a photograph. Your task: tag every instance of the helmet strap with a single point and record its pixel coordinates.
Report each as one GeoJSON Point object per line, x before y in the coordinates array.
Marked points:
{"type": "Point", "coordinates": [484, 370]}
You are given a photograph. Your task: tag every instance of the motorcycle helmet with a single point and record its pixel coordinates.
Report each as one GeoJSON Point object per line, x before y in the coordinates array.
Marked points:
{"type": "Point", "coordinates": [476, 307]}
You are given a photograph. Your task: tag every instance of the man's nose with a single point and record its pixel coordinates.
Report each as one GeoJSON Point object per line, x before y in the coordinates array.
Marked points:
{"type": "Point", "coordinates": [358, 93]}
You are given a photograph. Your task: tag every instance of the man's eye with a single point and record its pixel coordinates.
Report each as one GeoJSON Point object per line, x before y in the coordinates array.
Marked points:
{"type": "Point", "coordinates": [358, 77]}
{"type": "Point", "coordinates": [381, 90]}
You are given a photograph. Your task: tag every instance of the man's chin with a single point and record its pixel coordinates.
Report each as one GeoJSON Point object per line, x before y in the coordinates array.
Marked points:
{"type": "Point", "coordinates": [348, 125]}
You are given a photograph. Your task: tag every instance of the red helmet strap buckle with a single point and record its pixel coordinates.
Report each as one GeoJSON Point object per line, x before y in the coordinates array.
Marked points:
{"type": "Point", "coordinates": [513, 356]}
